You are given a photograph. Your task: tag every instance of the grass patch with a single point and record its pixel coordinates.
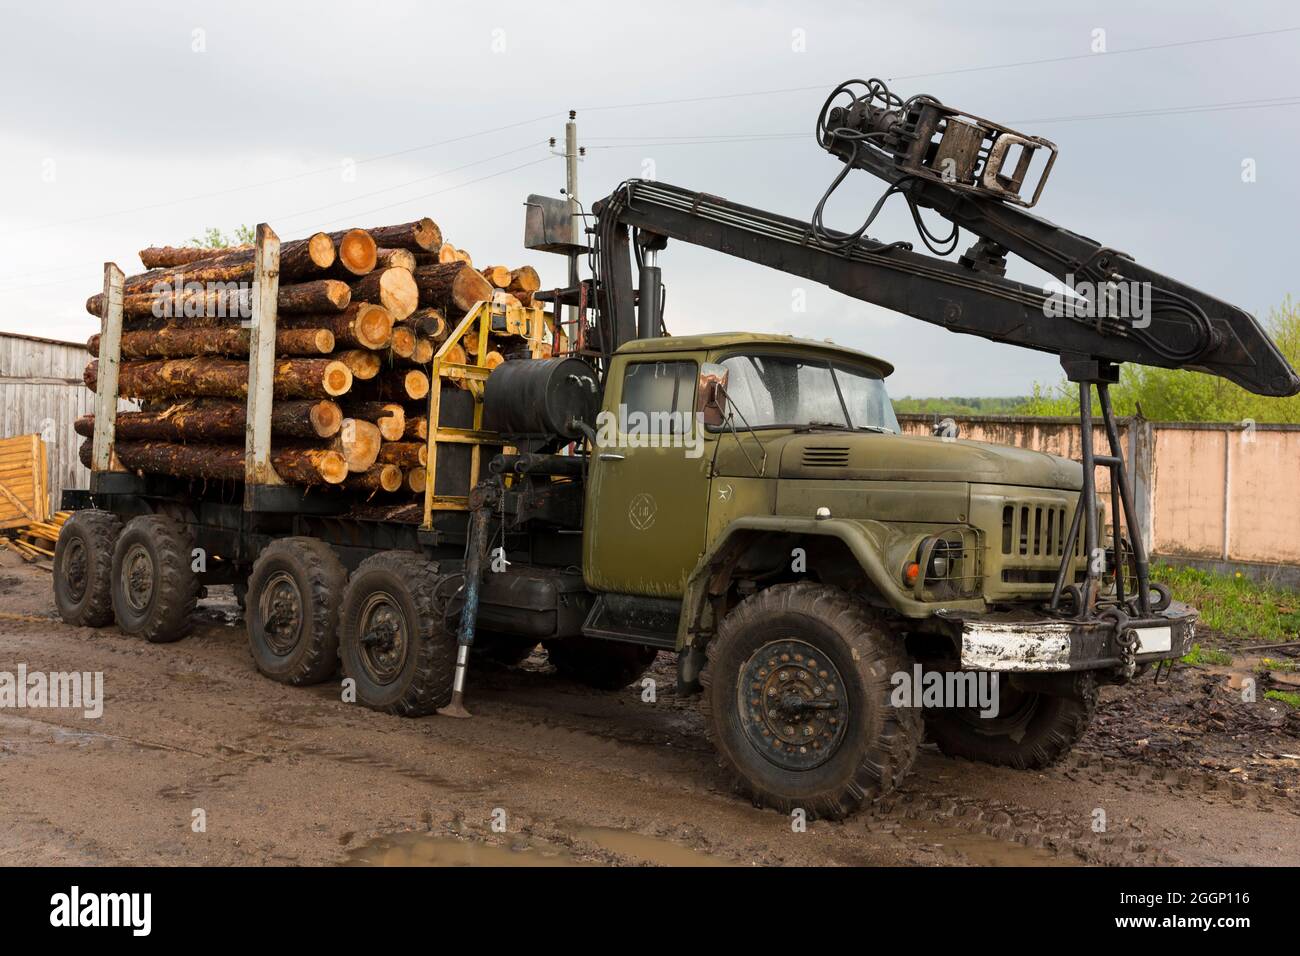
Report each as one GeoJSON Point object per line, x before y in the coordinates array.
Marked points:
{"type": "Point", "coordinates": [1234, 605]}
{"type": "Point", "coordinates": [1206, 655]}
{"type": "Point", "coordinates": [1273, 664]}
{"type": "Point", "coordinates": [1289, 697]}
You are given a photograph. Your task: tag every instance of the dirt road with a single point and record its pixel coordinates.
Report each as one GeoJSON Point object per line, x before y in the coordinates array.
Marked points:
{"type": "Point", "coordinates": [197, 759]}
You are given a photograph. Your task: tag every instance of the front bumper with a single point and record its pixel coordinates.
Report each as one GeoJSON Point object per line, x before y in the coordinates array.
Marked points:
{"type": "Point", "coordinates": [1028, 643]}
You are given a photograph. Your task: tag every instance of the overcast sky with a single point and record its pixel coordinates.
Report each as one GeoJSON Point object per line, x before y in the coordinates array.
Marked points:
{"type": "Point", "coordinates": [131, 124]}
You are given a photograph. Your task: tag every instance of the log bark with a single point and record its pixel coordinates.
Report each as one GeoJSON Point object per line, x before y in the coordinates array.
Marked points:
{"type": "Point", "coordinates": [395, 386]}
{"type": "Point", "coordinates": [173, 342]}
{"type": "Point", "coordinates": [453, 288]}
{"type": "Point", "coordinates": [357, 250]}
{"type": "Point", "coordinates": [358, 442]}
{"type": "Point", "coordinates": [301, 258]}
{"type": "Point", "coordinates": [360, 326]}
{"type": "Point", "coordinates": [389, 417]}
{"type": "Point", "coordinates": [300, 466]}
{"type": "Point", "coordinates": [404, 454]}
{"type": "Point", "coordinates": [221, 420]}
{"type": "Point", "coordinates": [396, 259]}
{"type": "Point", "coordinates": [422, 235]}
{"type": "Point", "coordinates": [203, 307]}
{"type": "Point", "coordinates": [224, 378]}
{"type": "Point", "coordinates": [394, 289]}
{"type": "Point", "coordinates": [416, 429]}
{"type": "Point", "coordinates": [363, 363]}
{"type": "Point", "coordinates": [162, 257]}
{"type": "Point", "coordinates": [377, 478]}
{"type": "Point", "coordinates": [499, 276]}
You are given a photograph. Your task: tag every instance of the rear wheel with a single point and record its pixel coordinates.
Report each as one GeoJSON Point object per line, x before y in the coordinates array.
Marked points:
{"type": "Point", "coordinates": [606, 665]}
{"type": "Point", "coordinates": [1032, 729]}
{"type": "Point", "coordinates": [292, 610]}
{"type": "Point", "coordinates": [797, 701]}
{"type": "Point", "coordinates": [83, 568]}
{"type": "Point", "coordinates": [392, 639]}
{"type": "Point", "coordinates": [155, 590]}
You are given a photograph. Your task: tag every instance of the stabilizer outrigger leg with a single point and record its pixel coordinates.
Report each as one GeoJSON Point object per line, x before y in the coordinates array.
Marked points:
{"type": "Point", "coordinates": [483, 499]}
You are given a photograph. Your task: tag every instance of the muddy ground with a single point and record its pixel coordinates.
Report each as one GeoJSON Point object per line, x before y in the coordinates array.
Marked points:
{"type": "Point", "coordinates": [1184, 771]}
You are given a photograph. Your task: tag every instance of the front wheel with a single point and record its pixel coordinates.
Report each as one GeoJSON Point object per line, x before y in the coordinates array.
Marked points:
{"type": "Point", "coordinates": [1031, 730]}
{"type": "Point", "coordinates": [797, 701]}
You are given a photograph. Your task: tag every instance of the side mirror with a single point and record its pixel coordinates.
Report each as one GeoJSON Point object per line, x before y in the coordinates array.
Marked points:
{"type": "Point", "coordinates": [711, 394]}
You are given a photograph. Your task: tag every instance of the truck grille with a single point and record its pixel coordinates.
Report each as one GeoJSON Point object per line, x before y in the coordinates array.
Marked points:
{"type": "Point", "coordinates": [825, 456]}
{"type": "Point", "coordinates": [1035, 530]}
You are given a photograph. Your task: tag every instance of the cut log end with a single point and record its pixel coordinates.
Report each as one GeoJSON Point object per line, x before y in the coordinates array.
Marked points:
{"type": "Point", "coordinates": [337, 379]}
{"type": "Point", "coordinates": [416, 384]}
{"type": "Point", "coordinates": [402, 342]}
{"type": "Point", "coordinates": [374, 326]}
{"type": "Point", "coordinates": [416, 479]}
{"type": "Point", "coordinates": [320, 249]}
{"type": "Point", "coordinates": [326, 419]}
{"type": "Point", "coordinates": [357, 252]}
{"type": "Point", "coordinates": [332, 467]}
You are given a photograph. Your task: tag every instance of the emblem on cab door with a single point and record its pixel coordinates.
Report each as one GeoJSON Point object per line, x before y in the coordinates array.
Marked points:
{"type": "Point", "coordinates": [641, 513]}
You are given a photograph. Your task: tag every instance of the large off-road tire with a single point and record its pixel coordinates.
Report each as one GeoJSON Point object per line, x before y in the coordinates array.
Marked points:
{"type": "Point", "coordinates": [605, 665]}
{"type": "Point", "coordinates": [782, 650]}
{"type": "Point", "coordinates": [155, 590]}
{"type": "Point", "coordinates": [1032, 729]}
{"type": "Point", "coordinates": [392, 639]}
{"type": "Point", "coordinates": [292, 610]}
{"type": "Point", "coordinates": [83, 568]}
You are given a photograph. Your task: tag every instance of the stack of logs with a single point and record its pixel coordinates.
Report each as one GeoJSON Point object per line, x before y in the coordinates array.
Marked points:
{"type": "Point", "coordinates": [360, 314]}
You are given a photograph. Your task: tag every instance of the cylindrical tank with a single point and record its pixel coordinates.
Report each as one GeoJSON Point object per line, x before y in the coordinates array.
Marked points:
{"type": "Point", "coordinates": [541, 397]}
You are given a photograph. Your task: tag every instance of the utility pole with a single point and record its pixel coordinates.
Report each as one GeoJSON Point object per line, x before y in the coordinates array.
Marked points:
{"type": "Point", "coordinates": [572, 152]}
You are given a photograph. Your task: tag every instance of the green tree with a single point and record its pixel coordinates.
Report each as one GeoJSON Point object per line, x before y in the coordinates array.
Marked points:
{"type": "Point", "coordinates": [214, 238]}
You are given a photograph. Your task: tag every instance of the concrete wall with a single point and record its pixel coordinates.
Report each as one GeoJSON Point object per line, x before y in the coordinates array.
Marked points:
{"type": "Point", "coordinates": [1209, 492]}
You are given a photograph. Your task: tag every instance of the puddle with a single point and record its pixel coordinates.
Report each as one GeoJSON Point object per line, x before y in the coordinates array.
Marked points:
{"type": "Point", "coordinates": [424, 849]}
{"type": "Point", "coordinates": [982, 849]}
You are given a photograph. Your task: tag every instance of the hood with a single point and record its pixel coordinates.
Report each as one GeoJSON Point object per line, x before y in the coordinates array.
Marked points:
{"type": "Point", "coordinates": [868, 456]}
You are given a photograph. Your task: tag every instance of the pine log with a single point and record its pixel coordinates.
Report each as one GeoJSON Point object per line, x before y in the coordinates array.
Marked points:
{"type": "Point", "coordinates": [524, 279]}
{"type": "Point", "coordinates": [523, 298]}
{"type": "Point", "coordinates": [453, 287]}
{"type": "Point", "coordinates": [493, 359]}
{"type": "Point", "coordinates": [389, 417]}
{"type": "Point", "coordinates": [396, 386]}
{"type": "Point", "coordinates": [430, 322]}
{"type": "Point", "coordinates": [499, 276]}
{"type": "Point", "coordinates": [199, 306]}
{"type": "Point", "coordinates": [456, 355]}
{"type": "Point", "coordinates": [172, 342]}
{"type": "Point", "coordinates": [424, 349]}
{"type": "Point", "coordinates": [423, 235]}
{"type": "Point", "coordinates": [300, 466]}
{"type": "Point", "coordinates": [358, 442]}
{"type": "Point", "coordinates": [416, 429]}
{"type": "Point", "coordinates": [447, 253]}
{"type": "Point", "coordinates": [377, 478]}
{"type": "Point", "coordinates": [415, 480]}
{"type": "Point", "coordinates": [394, 289]}
{"type": "Point", "coordinates": [301, 258]}
{"type": "Point", "coordinates": [357, 250]}
{"type": "Point", "coordinates": [220, 420]}
{"type": "Point", "coordinates": [405, 454]}
{"type": "Point", "coordinates": [161, 257]}
{"type": "Point", "coordinates": [363, 363]}
{"type": "Point", "coordinates": [403, 342]}
{"type": "Point", "coordinates": [465, 257]}
{"type": "Point", "coordinates": [396, 259]}
{"type": "Point", "coordinates": [361, 326]}
{"type": "Point", "coordinates": [224, 378]}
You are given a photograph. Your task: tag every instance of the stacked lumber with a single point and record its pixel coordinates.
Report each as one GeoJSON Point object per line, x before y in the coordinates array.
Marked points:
{"type": "Point", "coordinates": [35, 541]}
{"type": "Point", "coordinates": [361, 314]}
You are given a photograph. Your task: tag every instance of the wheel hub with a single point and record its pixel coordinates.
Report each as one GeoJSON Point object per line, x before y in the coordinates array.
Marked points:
{"type": "Point", "coordinates": [792, 703]}
{"type": "Point", "coordinates": [282, 614]}
{"type": "Point", "coordinates": [384, 637]}
{"type": "Point", "coordinates": [139, 573]}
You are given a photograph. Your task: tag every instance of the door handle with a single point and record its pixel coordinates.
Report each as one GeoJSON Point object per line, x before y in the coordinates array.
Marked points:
{"type": "Point", "coordinates": [611, 456]}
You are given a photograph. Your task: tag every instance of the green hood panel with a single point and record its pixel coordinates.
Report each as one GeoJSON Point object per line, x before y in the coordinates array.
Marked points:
{"type": "Point", "coordinates": [865, 456]}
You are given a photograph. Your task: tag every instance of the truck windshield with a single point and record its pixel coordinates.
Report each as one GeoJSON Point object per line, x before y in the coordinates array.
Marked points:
{"type": "Point", "coordinates": [782, 391]}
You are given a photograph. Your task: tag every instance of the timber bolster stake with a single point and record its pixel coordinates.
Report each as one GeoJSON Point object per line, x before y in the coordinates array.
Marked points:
{"type": "Point", "coordinates": [482, 500]}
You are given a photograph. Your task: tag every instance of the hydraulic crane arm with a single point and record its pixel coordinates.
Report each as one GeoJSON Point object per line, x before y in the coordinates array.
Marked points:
{"type": "Point", "coordinates": [972, 184]}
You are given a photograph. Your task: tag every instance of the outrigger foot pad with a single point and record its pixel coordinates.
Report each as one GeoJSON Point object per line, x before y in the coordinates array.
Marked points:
{"type": "Point", "coordinates": [456, 708]}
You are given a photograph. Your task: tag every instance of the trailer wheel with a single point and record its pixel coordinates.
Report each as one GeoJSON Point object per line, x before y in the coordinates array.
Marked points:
{"type": "Point", "coordinates": [392, 638]}
{"type": "Point", "coordinates": [292, 610]}
{"type": "Point", "coordinates": [797, 701]}
{"type": "Point", "coordinates": [1032, 729]}
{"type": "Point", "coordinates": [605, 665]}
{"type": "Point", "coordinates": [83, 568]}
{"type": "Point", "coordinates": [155, 590]}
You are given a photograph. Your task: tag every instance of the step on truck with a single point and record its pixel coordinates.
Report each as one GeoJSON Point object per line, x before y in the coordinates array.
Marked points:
{"type": "Point", "coordinates": [742, 500]}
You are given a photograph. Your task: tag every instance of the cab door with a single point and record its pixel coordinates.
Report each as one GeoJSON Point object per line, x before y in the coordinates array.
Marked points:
{"type": "Point", "coordinates": [648, 497]}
